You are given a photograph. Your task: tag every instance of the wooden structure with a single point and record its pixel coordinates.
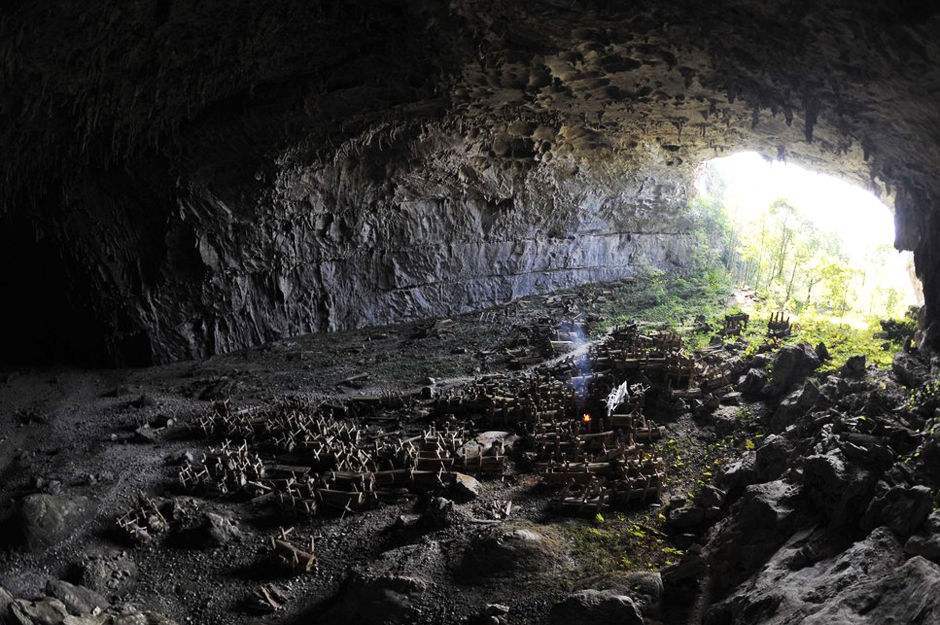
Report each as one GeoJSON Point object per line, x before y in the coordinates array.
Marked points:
{"type": "Point", "coordinates": [734, 325]}
{"type": "Point", "coordinates": [289, 555]}
{"type": "Point", "coordinates": [599, 469]}
{"type": "Point", "coordinates": [144, 521]}
{"type": "Point", "coordinates": [316, 464]}
{"type": "Point", "coordinates": [778, 326]}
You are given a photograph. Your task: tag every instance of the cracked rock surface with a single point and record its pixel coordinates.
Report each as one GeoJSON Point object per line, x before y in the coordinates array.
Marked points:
{"type": "Point", "coordinates": [191, 181]}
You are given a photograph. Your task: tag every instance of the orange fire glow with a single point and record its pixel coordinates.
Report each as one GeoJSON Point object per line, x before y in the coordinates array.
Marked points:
{"type": "Point", "coordinates": [586, 418]}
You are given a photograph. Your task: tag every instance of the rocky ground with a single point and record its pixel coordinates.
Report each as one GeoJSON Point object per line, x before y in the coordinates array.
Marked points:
{"type": "Point", "coordinates": [794, 496]}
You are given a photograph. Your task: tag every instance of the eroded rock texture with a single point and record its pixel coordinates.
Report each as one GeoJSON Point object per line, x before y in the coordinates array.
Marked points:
{"type": "Point", "coordinates": [184, 180]}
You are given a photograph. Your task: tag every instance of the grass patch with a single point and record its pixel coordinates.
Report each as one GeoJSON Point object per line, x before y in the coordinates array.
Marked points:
{"type": "Point", "coordinates": [618, 543]}
{"type": "Point", "coordinates": [842, 338]}
{"type": "Point", "coordinates": [669, 300]}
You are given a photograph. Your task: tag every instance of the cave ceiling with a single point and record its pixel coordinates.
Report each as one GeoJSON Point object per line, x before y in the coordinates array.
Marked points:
{"type": "Point", "coordinates": [156, 109]}
{"type": "Point", "coordinates": [842, 86]}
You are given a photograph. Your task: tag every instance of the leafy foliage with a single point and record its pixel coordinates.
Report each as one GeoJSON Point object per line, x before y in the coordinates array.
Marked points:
{"type": "Point", "coordinates": [899, 330]}
{"type": "Point", "coordinates": [844, 340]}
{"type": "Point", "coordinates": [786, 262]}
{"type": "Point", "coordinates": [791, 263]}
{"type": "Point", "coordinates": [620, 543]}
{"type": "Point", "coordinates": [841, 338]}
{"type": "Point", "coordinates": [926, 399]}
{"type": "Point", "coordinates": [672, 300]}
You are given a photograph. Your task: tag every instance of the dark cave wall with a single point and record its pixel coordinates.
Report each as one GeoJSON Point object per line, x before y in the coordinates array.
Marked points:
{"type": "Point", "coordinates": [193, 180]}
{"type": "Point", "coordinates": [919, 231]}
{"type": "Point", "coordinates": [400, 224]}
{"type": "Point", "coordinates": [141, 129]}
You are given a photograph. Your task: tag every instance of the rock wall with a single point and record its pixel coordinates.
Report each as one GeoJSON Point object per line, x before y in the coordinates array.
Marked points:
{"type": "Point", "coordinates": [404, 228]}
{"type": "Point", "coordinates": [414, 229]}
{"type": "Point", "coordinates": [193, 180]}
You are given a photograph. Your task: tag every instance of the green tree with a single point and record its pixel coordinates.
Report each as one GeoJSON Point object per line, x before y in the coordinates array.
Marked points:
{"type": "Point", "coordinates": [790, 262]}
{"type": "Point", "coordinates": [836, 280]}
{"type": "Point", "coordinates": [784, 216]}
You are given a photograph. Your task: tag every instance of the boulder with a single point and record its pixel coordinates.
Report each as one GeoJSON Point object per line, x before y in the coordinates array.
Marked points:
{"type": "Point", "coordinates": [791, 366]}
{"type": "Point", "coordinates": [108, 572]}
{"type": "Point", "coordinates": [486, 440]}
{"type": "Point", "coordinates": [759, 361]}
{"type": "Point", "coordinates": [736, 364]}
{"type": "Point", "coordinates": [45, 520]}
{"type": "Point", "coordinates": [755, 526]}
{"type": "Point", "coordinates": [870, 454]}
{"type": "Point", "coordinates": [765, 505]}
{"type": "Point", "coordinates": [685, 517]}
{"type": "Point", "coordinates": [6, 600]}
{"type": "Point", "coordinates": [839, 490]}
{"type": "Point", "coordinates": [385, 599]}
{"type": "Point", "coordinates": [465, 487]}
{"type": "Point", "coordinates": [725, 420]}
{"type": "Point", "coordinates": [829, 391]}
{"type": "Point", "coordinates": [929, 463]}
{"type": "Point", "coordinates": [709, 497]}
{"type": "Point", "coordinates": [906, 594]}
{"type": "Point", "coordinates": [739, 474]}
{"type": "Point", "coordinates": [864, 585]}
{"type": "Point", "coordinates": [45, 611]}
{"type": "Point", "coordinates": [78, 600]}
{"type": "Point", "coordinates": [687, 572]}
{"type": "Point", "coordinates": [438, 514]}
{"type": "Point", "coordinates": [773, 457]}
{"type": "Point", "coordinates": [645, 588]}
{"type": "Point", "coordinates": [753, 382]}
{"type": "Point", "coordinates": [822, 352]}
{"type": "Point", "coordinates": [924, 546]}
{"type": "Point", "coordinates": [129, 615]}
{"type": "Point", "coordinates": [217, 530]}
{"type": "Point", "coordinates": [795, 406]}
{"type": "Point", "coordinates": [901, 508]}
{"type": "Point", "coordinates": [519, 551]}
{"type": "Point", "coordinates": [596, 607]}
{"type": "Point", "coordinates": [927, 544]}
{"type": "Point", "coordinates": [704, 407]}
{"type": "Point", "coordinates": [910, 370]}
{"type": "Point", "coordinates": [491, 614]}
{"type": "Point", "coordinates": [854, 367]}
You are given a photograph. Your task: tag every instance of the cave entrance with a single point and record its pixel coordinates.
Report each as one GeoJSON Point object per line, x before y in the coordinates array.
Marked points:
{"type": "Point", "coordinates": [808, 244]}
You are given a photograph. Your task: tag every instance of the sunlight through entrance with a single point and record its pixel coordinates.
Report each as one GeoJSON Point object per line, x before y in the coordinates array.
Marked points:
{"type": "Point", "coordinates": [807, 243]}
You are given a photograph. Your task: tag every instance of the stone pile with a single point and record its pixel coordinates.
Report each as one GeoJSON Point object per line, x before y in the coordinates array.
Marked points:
{"type": "Point", "coordinates": [65, 603]}
{"type": "Point", "coordinates": [837, 500]}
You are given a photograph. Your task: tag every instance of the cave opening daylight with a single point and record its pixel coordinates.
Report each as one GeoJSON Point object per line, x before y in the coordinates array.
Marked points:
{"type": "Point", "coordinates": [805, 242]}
{"type": "Point", "coordinates": [477, 312]}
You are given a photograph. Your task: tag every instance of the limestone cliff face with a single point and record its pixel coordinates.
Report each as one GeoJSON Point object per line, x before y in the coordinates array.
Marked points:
{"type": "Point", "coordinates": [189, 181]}
{"type": "Point", "coordinates": [414, 226]}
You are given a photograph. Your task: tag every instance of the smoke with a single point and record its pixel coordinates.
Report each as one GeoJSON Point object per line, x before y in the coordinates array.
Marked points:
{"type": "Point", "coordinates": [574, 332]}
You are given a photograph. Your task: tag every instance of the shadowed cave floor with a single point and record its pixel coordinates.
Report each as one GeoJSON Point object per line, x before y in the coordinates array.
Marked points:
{"type": "Point", "coordinates": [77, 433]}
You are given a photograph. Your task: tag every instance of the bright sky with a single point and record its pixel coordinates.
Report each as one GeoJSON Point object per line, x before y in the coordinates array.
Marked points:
{"type": "Point", "coordinates": [844, 210]}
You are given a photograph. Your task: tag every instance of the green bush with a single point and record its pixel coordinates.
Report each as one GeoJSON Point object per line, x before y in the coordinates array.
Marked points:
{"type": "Point", "coordinates": [899, 330]}
{"type": "Point", "coordinates": [842, 339]}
